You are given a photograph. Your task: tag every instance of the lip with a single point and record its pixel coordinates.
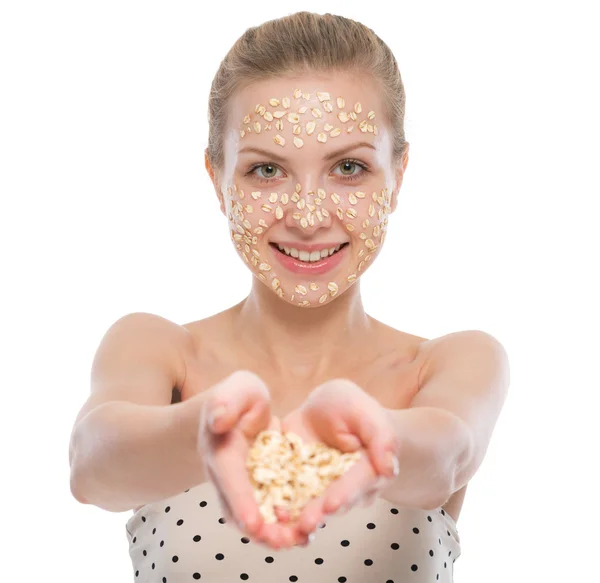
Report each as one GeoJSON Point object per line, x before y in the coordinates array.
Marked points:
{"type": "Point", "coordinates": [320, 267]}
{"type": "Point", "coordinates": [309, 248]}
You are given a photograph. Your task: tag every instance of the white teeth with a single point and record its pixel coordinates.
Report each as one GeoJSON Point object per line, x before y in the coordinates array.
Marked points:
{"type": "Point", "coordinates": [306, 256]}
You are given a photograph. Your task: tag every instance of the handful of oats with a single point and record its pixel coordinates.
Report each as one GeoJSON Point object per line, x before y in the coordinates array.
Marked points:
{"type": "Point", "coordinates": [286, 472]}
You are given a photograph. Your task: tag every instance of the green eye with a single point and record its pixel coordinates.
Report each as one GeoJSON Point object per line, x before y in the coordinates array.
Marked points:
{"type": "Point", "coordinates": [268, 175]}
{"type": "Point", "coordinates": [346, 164]}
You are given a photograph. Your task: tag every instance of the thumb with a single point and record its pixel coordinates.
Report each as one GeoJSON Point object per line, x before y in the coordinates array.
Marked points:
{"type": "Point", "coordinates": [376, 432]}
{"type": "Point", "coordinates": [242, 398]}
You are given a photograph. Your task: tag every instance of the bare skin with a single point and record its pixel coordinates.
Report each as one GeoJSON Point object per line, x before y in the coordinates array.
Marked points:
{"type": "Point", "coordinates": [292, 348]}
{"type": "Point", "coordinates": [388, 370]}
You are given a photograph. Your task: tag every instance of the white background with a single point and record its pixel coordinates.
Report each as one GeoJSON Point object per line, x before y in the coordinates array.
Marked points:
{"type": "Point", "coordinates": [106, 209]}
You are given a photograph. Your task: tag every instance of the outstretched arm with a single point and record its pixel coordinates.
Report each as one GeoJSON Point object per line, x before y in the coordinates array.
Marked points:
{"type": "Point", "coordinates": [445, 432]}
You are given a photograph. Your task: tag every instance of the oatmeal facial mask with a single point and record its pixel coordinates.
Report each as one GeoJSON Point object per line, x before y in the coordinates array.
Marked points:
{"type": "Point", "coordinates": [302, 276]}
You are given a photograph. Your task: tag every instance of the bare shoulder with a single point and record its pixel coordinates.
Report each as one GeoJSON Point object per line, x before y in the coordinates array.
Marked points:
{"type": "Point", "coordinates": [455, 345]}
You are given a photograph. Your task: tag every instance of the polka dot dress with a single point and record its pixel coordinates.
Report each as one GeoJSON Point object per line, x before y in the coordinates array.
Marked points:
{"type": "Point", "coordinates": [185, 539]}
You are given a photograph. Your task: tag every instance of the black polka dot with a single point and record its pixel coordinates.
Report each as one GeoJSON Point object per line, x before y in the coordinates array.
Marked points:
{"type": "Point", "coordinates": [197, 538]}
{"type": "Point", "coordinates": [175, 558]}
{"type": "Point", "coordinates": [431, 553]}
{"type": "Point", "coordinates": [245, 540]}
{"type": "Point", "coordinates": [153, 566]}
{"type": "Point", "coordinates": [414, 568]}
{"type": "Point", "coordinates": [345, 543]}
{"type": "Point", "coordinates": [430, 519]}
{"type": "Point", "coordinates": [370, 526]}
{"type": "Point", "coordinates": [180, 522]}
{"type": "Point", "coordinates": [153, 531]}
{"type": "Point", "coordinates": [219, 556]}
{"type": "Point", "coordinates": [341, 579]}
{"type": "Point", "coordinates": [134, 538]}
{"type": "Point", "coordinates": [187, 490]}
{"type": "Point", "coordinates": [162, 543]}
{"type": "Point", "coordinates": [394, 511]}
{"type": "Point", "coordinates": [196, 575]}
{"type": "Point", "coordinates": [222, 521]}
{"type": "Point", "coordinates": [143, 519]}
{"type": "Point", "coordinates": [144, 552]}
{"type": "Point", "coordinates": [293, 578]}
{"type": "Point", "coordinates": [437, 576]}
{"type": "Point", "coordinates": [244, 577]}
{"type": "Point", "coordinates": [389, 581]}
{"type": "Point", "coordinates": [368, 562]}
{"type": "Point", "coordinates": [395, 546]}
{"type": "Point", "coordinates": [319, 561]}
{"type": "Point", "coordinates": [323, 525]}
{"type": "Point", "coordinates": [164, 580]}
{"type": "Point", "coordinates": [440, 540]}
{"type": "Point", "coordinates": [137, 573]}
{"type": "Point", "coordinates": [449, 553]}
{"type": "Point", "coordinates": [444, 564]}
{"type": "Point", "coordinates": [416, 530]}
{"type": "Point", "coordinates": [448, 532]}
{"type": "Point", "coordinates": [269, 559]}
{"type": "Point", "coordinates": [203, 503]}
{"type": "Point", "coordinates": [167, 509]}
{"type": "Point", "coordinates": [443, 513]}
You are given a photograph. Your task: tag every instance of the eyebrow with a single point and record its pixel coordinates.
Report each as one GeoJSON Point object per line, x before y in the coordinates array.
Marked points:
{"type": "Point", "coordinates": [334, 154]}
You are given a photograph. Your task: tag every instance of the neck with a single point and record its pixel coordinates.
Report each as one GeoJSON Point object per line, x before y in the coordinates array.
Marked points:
{"type": "Point", "coordinates": [302, 344]}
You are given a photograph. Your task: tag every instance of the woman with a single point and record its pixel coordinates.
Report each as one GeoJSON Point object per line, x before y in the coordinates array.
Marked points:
{"type": "Point", "coordinates": [307, 154]}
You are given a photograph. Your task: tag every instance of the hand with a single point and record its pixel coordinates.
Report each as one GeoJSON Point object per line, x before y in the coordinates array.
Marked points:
{"type": "Point", "coordinates": [340, 414]}
{"type": "Point", "coordinates": [224, 445]}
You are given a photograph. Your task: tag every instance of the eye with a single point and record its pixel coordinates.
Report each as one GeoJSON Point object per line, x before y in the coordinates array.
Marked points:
{"type": "Point", "coordinates": [268, 175]}
{"type": "Point", "coordinates": [351, 165]}
{"type": "Point", "coordinates": [268, 170]}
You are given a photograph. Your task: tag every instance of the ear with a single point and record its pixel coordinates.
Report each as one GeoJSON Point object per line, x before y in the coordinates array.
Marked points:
{"type": "Point", "coordinates": [215, 180]}
{"type": "Point", "coordinates": [399, 176]}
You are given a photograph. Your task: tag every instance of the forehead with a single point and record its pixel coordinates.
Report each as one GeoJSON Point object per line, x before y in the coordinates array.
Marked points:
{"type": "Point", "coordinates": [326, 101]}
{"type": "Point", "coordinates": [352, 88]}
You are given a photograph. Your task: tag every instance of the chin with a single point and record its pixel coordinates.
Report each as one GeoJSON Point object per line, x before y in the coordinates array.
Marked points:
{"type": "Point", "coordinates": [308, 293]}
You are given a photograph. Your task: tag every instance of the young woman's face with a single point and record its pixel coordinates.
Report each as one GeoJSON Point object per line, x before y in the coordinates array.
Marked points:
{"type": "Point", "coordinates": [307, 184]}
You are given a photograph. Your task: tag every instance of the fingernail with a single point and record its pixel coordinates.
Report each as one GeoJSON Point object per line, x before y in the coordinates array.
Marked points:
{"type": "Point", "coordinates": [392, 463]}
{"type": "Point", "coordinates": [216, 414]}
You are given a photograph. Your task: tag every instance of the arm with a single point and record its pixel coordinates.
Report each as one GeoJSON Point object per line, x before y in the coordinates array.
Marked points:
{"type": "Point", "coordinates": [127, 454]}
{"type": "Point", "coordinates": [129, 445]}
{"type": "Point", "coordinates": [444, 434]}
{"type": "Point", "coordinates": [432, 446]}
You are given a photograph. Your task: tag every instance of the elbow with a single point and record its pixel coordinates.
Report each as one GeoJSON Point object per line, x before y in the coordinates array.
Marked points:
{"type": "Point", "coordinates": [75, 486]}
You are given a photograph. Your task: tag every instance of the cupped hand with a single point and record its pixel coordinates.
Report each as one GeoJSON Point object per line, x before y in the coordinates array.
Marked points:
{"type": "Point", "coordinates": [341, 415]}
{"type": "Point", "coordinates": [224, 442]}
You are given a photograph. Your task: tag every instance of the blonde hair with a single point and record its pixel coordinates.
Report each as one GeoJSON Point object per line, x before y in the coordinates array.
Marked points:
{"type": "Point", "coordinates": [306, 42]}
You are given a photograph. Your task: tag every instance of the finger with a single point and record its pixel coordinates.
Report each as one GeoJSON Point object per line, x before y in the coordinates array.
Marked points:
{"type": "Point", "coordinates": [374, 428]}
{"type": "Point", "coordinates": [241, 399]}
{"type": "Point", "coordinates": [283, 515]}
{"type": "Point", "coordinates": [271, 535]}
{"type": "Point", "coordinates": [225, 510]}
{"type": "Point", "coordinates": [354, 483]}
{"type": "Point", "coordinates": [231, 475]}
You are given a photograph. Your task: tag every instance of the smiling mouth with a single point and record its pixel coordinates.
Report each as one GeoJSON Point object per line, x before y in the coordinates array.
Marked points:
{"type": "Point", "coordinates": [308, 257]}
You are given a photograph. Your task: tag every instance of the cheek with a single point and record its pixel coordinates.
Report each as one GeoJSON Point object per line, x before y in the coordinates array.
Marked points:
{"type": "Point", "coordinates": [254, 211]}
{"type": "Point", "coordinates": [362, 214]}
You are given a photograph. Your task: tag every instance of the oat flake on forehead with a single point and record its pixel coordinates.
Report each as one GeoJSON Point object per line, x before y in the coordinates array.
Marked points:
{"type": "Point", "coordinates": [295, 118]}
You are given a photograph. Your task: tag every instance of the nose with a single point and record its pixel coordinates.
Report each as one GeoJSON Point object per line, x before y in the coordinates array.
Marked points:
{"type": "Point", "coordinates": [307, 212]}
